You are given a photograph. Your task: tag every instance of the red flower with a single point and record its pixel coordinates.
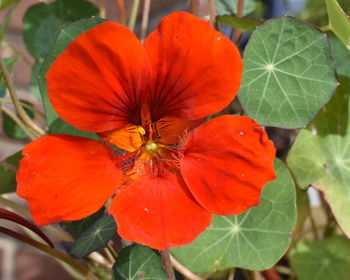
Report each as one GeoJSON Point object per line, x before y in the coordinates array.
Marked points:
{"type": "Point", "coordinates": [145, 99]}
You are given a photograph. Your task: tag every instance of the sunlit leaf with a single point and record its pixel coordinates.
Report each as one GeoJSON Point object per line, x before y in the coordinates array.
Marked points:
{"type": "Point", "coordinates": [242, 24]}
{"type": "Point", "coordinates": [224, 7]}
{"type": "Point", "coordinates": [7, 3]}
{"type": "Point", "coordinates": [138, 262]}
{"type": "Point", "coordinates": [322, 260]}
{"type": "Point", "coordinates": [96, 237]}
{"type": "Point", "coordinates": [254, 240]}
{"type": "Point", "coordinates": [54, 122]}
{"type": "Point", "coordinates": [339, 22]}
{"type": "Point", "coordinates": [288, 73]}
{"type": "Point", "coordinates": [320, 155]}
{"type": "Point", "coordinates": [8, 169]}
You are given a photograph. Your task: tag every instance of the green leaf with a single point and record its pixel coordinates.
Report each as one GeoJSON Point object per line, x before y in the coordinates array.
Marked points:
{"type": "Point", "coordinates": [34, 83]}
{"type": "Point", "coordinates": [242, 24]}
{"type": "Point", "coordinates": [76, 228]}
{"type": "Point", "coordinates": [339, 22]}
{"type": "Point", "coordinates": [42, 22]}
{"type": "Point", "coordinates": [8, 168]}
{"type": "Point", "coordinates": [230, 6]}
{"type": "Point", "coordinates": [322, 260]}
{"type": "Point", "coordinates": [7, 3]}
{"type": "Point", "coordinates": [10, 63]}
{"type": "Point", "coordinates": [254, 240]}
{"type": "Point", "coordinates": [96, 237]}
{"type": "Point", "coordinates": [138, 262]}
{"type": "Point", "coordinates": [67, 35]}
{"type": "Point", "coordinates": [320, 155]}
{"type": "Point", "coordinates": [11, 129]}
{"type": "Point", "coordinates": [341, 56]}
{"type": "Point", "coordinates": [288, 73]}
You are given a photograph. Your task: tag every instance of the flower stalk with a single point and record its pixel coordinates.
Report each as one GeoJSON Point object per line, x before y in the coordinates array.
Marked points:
{"type": "Point", "coordinates": [168, 267]}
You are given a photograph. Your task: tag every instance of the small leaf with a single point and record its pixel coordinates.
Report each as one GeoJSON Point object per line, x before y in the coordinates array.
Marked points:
{"type": "Point", "coordinates": [320, 155]}
{"type": "Point", "coordinates": [288, 73]}
{"type": "Point", "coordinates": [322, 260]}
{"type": "Point", "coordinates": [11, 129]}
{"type": "Point", "coordinates": [67, 35]}
{"type": "Point", "coordinates": [224, 7]}
{"type": "Point", "coordinates": [96, 237]}
{"type": "Point", "coordinates": [138, 262]}
{"type": "Point", "coordinates": [76, 228]}
{"type": "Point", "coordinates": [242, 24]}
{"type": "Point", "coordinates": [341, 56]}
{"type": "Point", "coordinates": [254, 240]}
{"type": "Point", "coordinates": [339, 22]}
{"type": "Point", "coordinates": [7, 3]}
{"type": "Point", "coordinates": [8, 169]}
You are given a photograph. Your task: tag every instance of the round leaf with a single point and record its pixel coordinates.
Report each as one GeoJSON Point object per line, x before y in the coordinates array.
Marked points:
{"type": "Point", "coordinates": [138, 262]}
{"type": "Point", "coordinates": [8, 169]}
{"type": "Point", "coordinates": [322, 260]}
{"type": "Point", "coordinates": [254, 240]}
{"type": "Point", "coordinates": [288, 73]}
{"type": "Point", "coordinates": [320, 155]}
{"type": "Point", "coordinates": [341, 56]}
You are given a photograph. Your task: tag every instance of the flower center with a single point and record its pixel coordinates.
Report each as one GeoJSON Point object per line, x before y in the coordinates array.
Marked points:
{"type": "Point", "coordinates": [151, 146]}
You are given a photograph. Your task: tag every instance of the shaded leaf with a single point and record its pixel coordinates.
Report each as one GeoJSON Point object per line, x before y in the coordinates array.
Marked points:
{"type": "Point", "coordinates": [43, 22]}
{"type": "Point", "coordinates": [322, 260]}
{"type": "Point", "coordinates": [54, 122]}
{"type": "Point", "coordinates": [320, 155]}
{"type": "Point", "coordinates": [341, 56]}
{"type": "Point", "coordinates": [96, 237]}
{"type": "Point", "coordinates": [242, 24]}
{"type": "Point", "coordinates": [254, 240]}
{"type": "Point", "coordinates": [11, 129]}
{"type": "Point", "coordinates": [138, 262]}
{"type": "Point", "coordinates": [288, 73]}
{"type": "Point", "coordinates": [76, 228]}
{"type": "Point", "coordinates": [8, 169]}
{"type": "Point", "coordinates": [230, 6]}
{"type": "Point", "coordinates": [339, 22]}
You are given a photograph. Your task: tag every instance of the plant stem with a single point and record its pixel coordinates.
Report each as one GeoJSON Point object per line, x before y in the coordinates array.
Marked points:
{"type": "Point", "coordinates": [102, 8]}
{"type": "Point", "coordinates": [167, 264]}
{"type": "Point", "coordinates": [133, 16]}
{"type": "Point", "coordinates": [194, 7]}
{"type": "Point", "coordinates": [236, 36]}
{"type": "Point", "coordinates": [212, 12]}
{"type": "Point", "coordinates": [313, 225]}
{"type": "Point", "coordinates": [145, 18]}
{"type": "Point", "coordinates": [18, 52]}
{"type": "Point", "coordinates": [27, 131]}
{"type": "Point", "coordinates": [20, 111]}
{"type": "Point", "coordinates": [121, 11]}
{"type": "Point", "coordinates": [231, 274]}
{"type": "Point", "coordinates": [25, 105]}
{"type": "Point", "coordinates": [53, 252]}
{"type": "Point", "coordinates": [325, 28]}
{"type": "Point", "coordinates": [183, 270]}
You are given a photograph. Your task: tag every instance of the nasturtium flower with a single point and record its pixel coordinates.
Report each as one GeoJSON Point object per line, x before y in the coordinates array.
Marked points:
{"type": "Point", "coordinates": [172, 170]}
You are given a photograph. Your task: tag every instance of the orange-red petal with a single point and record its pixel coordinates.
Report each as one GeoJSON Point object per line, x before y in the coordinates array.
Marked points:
{"type": "Point", "coordinates": [99, 81]}
{"type": "Point", "coordinates": [196, 70]}
{"type": "Point", "coordinates": [159, 212]}
{"type": "Point", "coordinates": [226, 163]}
{"type": "Point", "coordinates": [66, 177]}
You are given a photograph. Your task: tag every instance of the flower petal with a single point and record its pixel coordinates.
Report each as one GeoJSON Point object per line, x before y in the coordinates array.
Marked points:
{"type": "Point", "coordinates": [159, 212]}
{"type": "Point", "coordinates": [66, 177]}
{"type": "Point", "coordinates": [171, 129]}
{"type": "Point", "coordinates": [197, 70]}
{"type": "Point", "coordinates": [226, 163]}
{"type": "Point", "coordinates": [97, 84]}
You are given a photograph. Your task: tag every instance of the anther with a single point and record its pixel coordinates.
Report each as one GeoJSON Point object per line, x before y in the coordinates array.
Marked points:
{"type": "Point", "coordinates": [151, 146]}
